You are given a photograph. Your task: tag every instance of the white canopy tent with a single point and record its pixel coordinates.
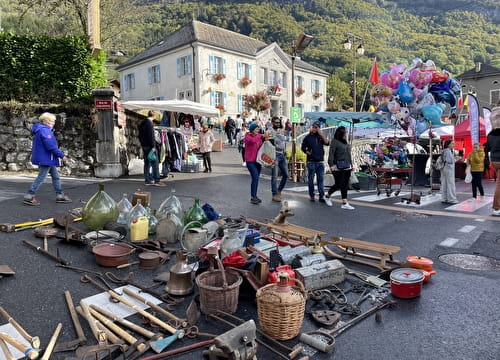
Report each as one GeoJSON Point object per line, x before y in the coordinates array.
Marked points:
{"type": "Point", "coordinates": [180, 106]}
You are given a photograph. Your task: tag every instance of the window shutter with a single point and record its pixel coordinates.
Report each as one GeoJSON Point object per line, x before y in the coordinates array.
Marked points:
{"type": "Point", "coordinates": [238, 71]}
{"type": "Point", "coordinates": [189, 64]}
{"type": "Point", "coordinates": [132, 82]}
{"type": "Point", "coordinates": [211, 64]}
{"type": "Point", "coordinates": [125, 82]}
{"type": "Point", "coordinates": [224, 99]}
{"type": "Point", "coordinates": [212, 98]}
{"type": "Point", "coordinates": [250, 76]}
{"type": "Point", "coordinates": [296, 81]}
{"type": "Point", "coordinates": [179, 70]}
{"type": "Point", "coordinates": [224, 66]}
{"type": "Point", "coordinates": [312, 86]}
{"type": "Point", "coordinates": [150, 75]}
{"type": "Point", "coordinates": [240, 103]}
{"type": "Point", "coordinates": [159, 74]}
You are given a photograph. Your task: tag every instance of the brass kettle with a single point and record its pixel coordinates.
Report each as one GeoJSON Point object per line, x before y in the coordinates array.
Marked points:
{"type": "Point", "coordinates": [181, 276]}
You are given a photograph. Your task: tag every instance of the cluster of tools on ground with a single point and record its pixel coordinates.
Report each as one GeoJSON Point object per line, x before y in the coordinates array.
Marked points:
{"type": "Point", "coordinates": [284, 263]}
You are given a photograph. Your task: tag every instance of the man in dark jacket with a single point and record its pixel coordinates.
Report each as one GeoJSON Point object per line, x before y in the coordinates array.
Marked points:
{"type": "Point", "coordinates": [313, 146]}
{"type": "Point", "coordinates": [230, 129]}
{"type": "Point", "coordinates": [46, 154]}
{"type": "Point", "coordinates": [147, 140]}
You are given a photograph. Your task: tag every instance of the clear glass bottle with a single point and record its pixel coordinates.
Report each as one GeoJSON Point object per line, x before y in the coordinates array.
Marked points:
{"type": "Point", "coordinates": [124, 205]}
{"type": "Point", "coordinates": [152, 221]}
{"type": "Point", "coordinates": [170, 205]}
{"type": "Point", "coordinates": [137, 211]}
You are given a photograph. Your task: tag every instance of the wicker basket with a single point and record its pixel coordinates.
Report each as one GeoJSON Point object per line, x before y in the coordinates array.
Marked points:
{"type": "Point", "coordinates": [281, 308]}
{"type": "Point", "coordinates": [219, 290]}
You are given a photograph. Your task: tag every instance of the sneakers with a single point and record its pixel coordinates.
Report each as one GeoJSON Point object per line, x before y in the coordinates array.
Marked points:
{"type": "Point", "coordinates": [255, 200]}
{"type": "Point", "coordinates": [243, 164]}
{"type": "Point", "coordinates": [311, 199]}
{"type": "Point", "coordinates": [63, 198]}
{"type": "Point", "coordinates": [496, 212]}
{"type": "Point", "coordinates": [151, 183]}
{"type": "Point", "coordinates": [322, 200]}
{"type": "Point", "coordinates": [346, 206]}
{"type": "Point", "coordinates": [328, 201]}
{"type": "Point", "coordinates": [30, 200]}
{"type": "Point", "coordinates": [276, 198]}
{"type": "Point", "coordinates": [160, 184]}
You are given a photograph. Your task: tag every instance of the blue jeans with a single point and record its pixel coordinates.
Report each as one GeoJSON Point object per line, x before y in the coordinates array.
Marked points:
{"type": "Point", "coordinates": [283, 168]}
{"type": "Point", "coordinates": [318, 169]}
{"type": "Point", "coordinates": [151, 168]}
{"type": "Point", "coordinates": [43, 171]}
{"type": "Point", "coordinates": [254, 169]}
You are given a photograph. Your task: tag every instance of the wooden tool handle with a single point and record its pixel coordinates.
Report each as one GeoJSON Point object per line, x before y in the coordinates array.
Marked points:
{"type": "Point", "coordinates": [6, 351]}
{"type": "Point", "coordinates": [129, 292]}
{"type": "Point", "coordinates": [144, 313]}
{"type": "Point", "coordinates": [52, 343]}
{"type": "Point", "coordinates": [14, 323]}
{"type": "Point", "coordinates": [26, 350]}
{"type": "Point", "coordinates": [98, 334]}
{"type": "Point", "coordinates": [74, 316]}
{"type": "Point", "coordinates": [138, 329]}
{"type": "Point", "coordinates": [127, 265]}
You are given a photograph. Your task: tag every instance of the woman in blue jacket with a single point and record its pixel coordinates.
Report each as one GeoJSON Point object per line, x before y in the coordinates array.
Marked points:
{"type": "Point", "coordinates": [46, 154]}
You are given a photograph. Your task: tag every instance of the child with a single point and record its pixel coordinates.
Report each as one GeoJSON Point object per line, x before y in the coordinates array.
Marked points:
{"type": "Point", "coordinates": [46, 155]}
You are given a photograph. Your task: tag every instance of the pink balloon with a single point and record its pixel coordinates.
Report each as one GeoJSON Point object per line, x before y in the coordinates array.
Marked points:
{"type": "Point", "coordinates": [420, 78]}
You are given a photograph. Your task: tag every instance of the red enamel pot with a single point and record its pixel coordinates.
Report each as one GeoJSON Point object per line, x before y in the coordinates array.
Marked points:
{"type": "Point", "coordinates": [406, 283]}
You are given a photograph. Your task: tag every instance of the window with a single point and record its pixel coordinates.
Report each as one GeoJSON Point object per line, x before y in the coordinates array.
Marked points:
{"type": "Point", "coordinates": [315, 86]}
{"type": "Point", "coordinates": [244, 70]}
{"type": "Point", "coordinates": [154, 74]}
{"type": "Point", "coordinates": [282, 80]}
{"type": "Point", "coordinates": [299, 82]}
{"type": "Point", "coordinates": [315, 108]}
{"type": "Point", "coordinates": [218, 98]}
{"type": "Point", "coordinates": [184, 65]}
{"type": "Point", "coordinates": [217, 65]}
{"type": "Point", "coordinates": [189, 95]}
{"type": "Point", "coordinates": [180, 95]}
{"type": "Point", "coordinates": [495, 98]}
{"type": "Point", "coordinates": [241, 103]}
{"type": "Point", "coordinates": [263, 75]}
{"type": "Point", "coordinates": [129, 81]}
{"type": "Point", "coordinates": [273, 77]}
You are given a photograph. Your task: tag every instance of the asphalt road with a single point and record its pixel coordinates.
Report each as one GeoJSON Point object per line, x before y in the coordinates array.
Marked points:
{"type": "Point", "coordinates": [457, 315]}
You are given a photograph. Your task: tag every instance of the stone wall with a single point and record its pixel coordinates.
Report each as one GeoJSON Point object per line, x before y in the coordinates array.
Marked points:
{"type": "Point", "coordinates": [75, 130]}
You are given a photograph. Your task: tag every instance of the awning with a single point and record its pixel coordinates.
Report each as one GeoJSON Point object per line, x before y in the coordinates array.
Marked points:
{"type": "Point", "coordinates": [364, 120]}
{"type": "Point", "coordinates": [180, 106]}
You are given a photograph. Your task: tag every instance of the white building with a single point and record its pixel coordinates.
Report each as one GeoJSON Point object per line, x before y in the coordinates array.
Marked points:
{"type": "Point", "coordinates": [217, 67]}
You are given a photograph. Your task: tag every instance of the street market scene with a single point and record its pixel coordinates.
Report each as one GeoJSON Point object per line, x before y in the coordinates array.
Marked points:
{"type": "Point", "coordinates": [215, 195]}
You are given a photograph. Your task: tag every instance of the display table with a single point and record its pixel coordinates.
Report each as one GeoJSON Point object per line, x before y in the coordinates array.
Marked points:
{"type": "Point", "coordinates": [391, 176]}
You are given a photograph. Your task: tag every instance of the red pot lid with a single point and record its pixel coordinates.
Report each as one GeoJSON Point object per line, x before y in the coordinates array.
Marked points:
{"type": "Point", "coordinates": [407, 275]}
{"type": "Point", "coordinates": [419, 260]}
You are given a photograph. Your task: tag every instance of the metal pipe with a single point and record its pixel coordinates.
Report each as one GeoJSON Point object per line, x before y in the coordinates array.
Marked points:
{"type": "Point", "coordinates": [166, 354]}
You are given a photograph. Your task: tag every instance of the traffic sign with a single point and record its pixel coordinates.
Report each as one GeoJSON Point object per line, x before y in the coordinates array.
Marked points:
{"type": "Point", "coordinates": [295, 114]}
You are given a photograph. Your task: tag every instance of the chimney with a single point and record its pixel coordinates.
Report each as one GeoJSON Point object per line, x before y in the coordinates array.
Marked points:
{"type": "Point", "coordinates": [478, 67]}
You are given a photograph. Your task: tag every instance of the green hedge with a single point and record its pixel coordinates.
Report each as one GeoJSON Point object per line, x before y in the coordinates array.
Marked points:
{"type": "Point", "coordinates": [48, 70]}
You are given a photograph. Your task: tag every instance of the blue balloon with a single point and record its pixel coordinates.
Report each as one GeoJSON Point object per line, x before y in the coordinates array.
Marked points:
{"type": "Point", "coordinates": [404, 91]}
{"type": "Point", "coordinates": [433, 113]}
{"type": "Point", "coordinates": [421, 126]}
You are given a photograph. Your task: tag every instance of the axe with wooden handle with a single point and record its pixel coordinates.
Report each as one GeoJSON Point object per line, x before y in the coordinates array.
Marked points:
{"type": "Point", "coordinates": [52, 342]}
{"type": "Point", "coordinates": [33, 340]}
{"type": "Point", "coordinates": [26, 350]}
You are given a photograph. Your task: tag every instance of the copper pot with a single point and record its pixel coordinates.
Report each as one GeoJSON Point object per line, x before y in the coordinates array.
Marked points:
{"type": "Point", "coordinates": [112, 254]}
{"type": "Point", "coordinates": [149, 260]}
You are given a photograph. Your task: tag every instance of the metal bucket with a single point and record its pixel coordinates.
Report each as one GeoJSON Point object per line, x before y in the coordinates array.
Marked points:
{"type": "Point", "coordinates": [193, 238]}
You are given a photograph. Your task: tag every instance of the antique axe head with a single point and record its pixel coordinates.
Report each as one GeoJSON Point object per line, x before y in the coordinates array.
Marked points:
{"type": "Point", "coordinates": [162, 344]}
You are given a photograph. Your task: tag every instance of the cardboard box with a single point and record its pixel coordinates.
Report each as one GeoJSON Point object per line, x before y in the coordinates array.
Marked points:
{"type": "Point", "coordinates": [218, 145]}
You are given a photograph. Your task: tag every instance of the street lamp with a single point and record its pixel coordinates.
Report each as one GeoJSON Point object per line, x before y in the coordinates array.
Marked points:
{"type": "Point", "coordinates": [299, 44]}
{"type": "Point", "coordinates": [359, 51]}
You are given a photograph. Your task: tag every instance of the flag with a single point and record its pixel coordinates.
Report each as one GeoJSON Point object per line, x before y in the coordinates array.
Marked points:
{"type": "Point", "coordinates": [460, 103]}
{"type": "Point", "coordinates": [374, 73]}
{"type": "Point", "coordinates": [466, 102]}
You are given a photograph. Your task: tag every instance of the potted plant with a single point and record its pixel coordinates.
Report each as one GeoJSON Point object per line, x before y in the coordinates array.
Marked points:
{"type": "Point", "coordinates": [300, 91]}
{"type": "Point", "coordinates": [245, 81]}
{"type": "Point", "coordinates": [218, 76]}
{"type": "Point", "coordinates": [221, 108]}
{"type": "Point", "coordinates": [317, 94]}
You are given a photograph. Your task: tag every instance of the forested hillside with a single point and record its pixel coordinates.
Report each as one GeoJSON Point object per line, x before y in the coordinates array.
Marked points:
{"type": "Point", "coordinates": [454, 34]}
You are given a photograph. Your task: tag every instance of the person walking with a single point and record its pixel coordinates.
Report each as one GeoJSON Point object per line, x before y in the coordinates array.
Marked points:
{"type": "Point", "coordinates": [313, 146]}
{"type": "Point", "coordinates": [253, 142]}
{"type": "Point", "coordinates": [476, 163]}
{"type": "Point", "coordinates": [46, 154]}
{"type": "Point", "coordinates": [147, 140]}
{"type": "Point", "coordinates": [340, 163]}
{"type": "Point", "coordinates": [230, 128]}
{"type": "Point", "coordinates": [493, 149]}
{"type": "Point", "coordinates": [240, 140]}
{"type": "Point", "coordinates": [278, 139]}
{"type": "Point", "coordinates": [448, 189]}
{"type": "Point", "coordinates": [206, 140]}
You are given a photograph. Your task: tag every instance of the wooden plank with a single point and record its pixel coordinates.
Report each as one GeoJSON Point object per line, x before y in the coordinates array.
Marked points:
{"type": "Point", "coordinates": [365, 245]}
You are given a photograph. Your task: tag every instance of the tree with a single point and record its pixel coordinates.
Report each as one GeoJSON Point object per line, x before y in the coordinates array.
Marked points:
{"type": "Point", "coordinates": [258, 102]}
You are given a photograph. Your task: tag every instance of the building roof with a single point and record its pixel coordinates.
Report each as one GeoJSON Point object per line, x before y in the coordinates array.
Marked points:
{"type": "Point", "coordinates": [197, 31]}
{"type": "Point", "coordinates": [484, 71]}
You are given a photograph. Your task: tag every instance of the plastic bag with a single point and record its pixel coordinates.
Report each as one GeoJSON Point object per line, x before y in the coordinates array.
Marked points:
{"type": "Point", "coordinates": [468, 178]}
{"type": "Point", "coordinates": [267, 154]}
{"type": "Point", "coordinates": [152, 156]}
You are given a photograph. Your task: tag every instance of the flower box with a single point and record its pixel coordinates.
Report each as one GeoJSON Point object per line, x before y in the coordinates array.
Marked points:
{"type": "Point", "coordinates": [218, 76]}
{"type": "Point", "coordinates": [317, 94]}
{"type": "Point", "coordinates": [245, 81]}
{"type": "Point", "coordinates": [299, 91]}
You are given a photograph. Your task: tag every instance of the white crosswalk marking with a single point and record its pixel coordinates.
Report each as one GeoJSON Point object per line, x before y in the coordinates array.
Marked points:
{"type": "Point", "coordinates": [448, 242]}
{"type": "Point", "coordinates": [466, 228]}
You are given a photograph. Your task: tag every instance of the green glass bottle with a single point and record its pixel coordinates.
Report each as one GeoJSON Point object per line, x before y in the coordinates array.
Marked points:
{"type": "Point", "coordinates": [100, 209]}
{"type": "Point", "coordinates": [195, 213]}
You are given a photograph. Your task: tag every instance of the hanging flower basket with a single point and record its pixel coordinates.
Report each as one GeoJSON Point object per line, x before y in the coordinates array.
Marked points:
{"type": "Point", "coordinates": [221, 108]}
{"type": "Point", "coordinates": [317, 94]}
{"type": "Point", "coordinates": [218, 76]}
{"type": "Point", "coordinates": [300, 91]}
{"type": "Point", "coordinates": [245, 81]}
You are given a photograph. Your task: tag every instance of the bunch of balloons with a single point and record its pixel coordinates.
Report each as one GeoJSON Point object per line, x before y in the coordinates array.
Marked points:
{"type": "Point", "coordinates": [415, 96]}
{"type": "Point", "coordinates": [392, 149]}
